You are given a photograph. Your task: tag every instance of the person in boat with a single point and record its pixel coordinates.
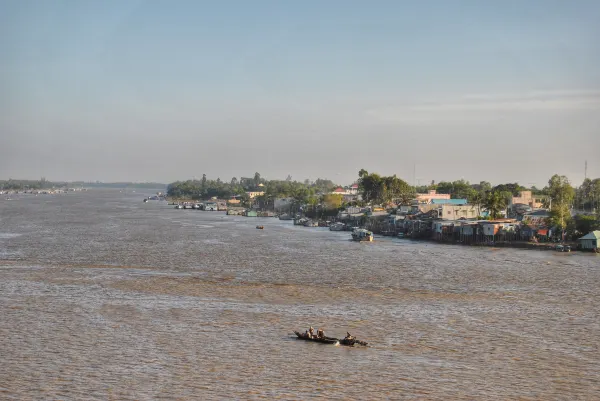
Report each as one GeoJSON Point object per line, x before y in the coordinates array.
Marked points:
{"type": "Point", "coordinates": [311, 332]}
{"type": "Point", "coordinates": [348, 337]}
{"type": "Point", "coordinates": [320, 333]}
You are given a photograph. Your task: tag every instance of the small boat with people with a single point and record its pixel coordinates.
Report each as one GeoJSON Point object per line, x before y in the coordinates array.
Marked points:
{"type": "Point", "coordinates": [362, 235]}
{"type": "Point", "coordinates": [260, 227]}
{"type": "Point", "coordinates": [320, 337]}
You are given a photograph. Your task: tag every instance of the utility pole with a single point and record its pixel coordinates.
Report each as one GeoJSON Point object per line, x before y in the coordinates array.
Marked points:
{"type": "Point", "coordinates": [415, 175]}
{"type": "Point", "coordinates": [585, 175]}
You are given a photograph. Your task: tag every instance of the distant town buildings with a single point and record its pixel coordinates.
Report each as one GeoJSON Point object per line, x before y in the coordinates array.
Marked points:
{"type": "Point", "coordinates": [431, 195]}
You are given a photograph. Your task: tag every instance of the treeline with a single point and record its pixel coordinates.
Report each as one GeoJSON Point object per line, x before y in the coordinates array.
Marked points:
{"type": "Point", "coordinates": [384, 190]}
{"type": "Point", "coordinates": [206, 188]}
{"type": "Point", "coordinates": [119, 185]}
{"type": "Point", "coordinates": [23, 185]}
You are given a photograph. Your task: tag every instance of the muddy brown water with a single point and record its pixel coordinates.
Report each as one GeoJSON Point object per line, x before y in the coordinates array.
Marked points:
{"type": "Point", "coordinates": [105, 297]}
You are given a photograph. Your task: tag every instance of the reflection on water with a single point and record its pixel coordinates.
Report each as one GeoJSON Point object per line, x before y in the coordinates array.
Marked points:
{"type": "Point", "coordinates": [105, 297]}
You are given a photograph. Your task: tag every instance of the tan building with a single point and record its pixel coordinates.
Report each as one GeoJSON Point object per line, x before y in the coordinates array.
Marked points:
{"type": "Point", "coordinates": [526, 198]}
{"type": "Point", "coordinates": [428, 197]}
{"type": "Point", "coordinates": [254, 194]}
{"type": "Point", "coordinates": [452, 212]}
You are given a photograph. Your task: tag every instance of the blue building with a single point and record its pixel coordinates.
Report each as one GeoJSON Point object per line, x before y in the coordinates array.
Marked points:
{"type": "Point", "coordinates": [457, 202]}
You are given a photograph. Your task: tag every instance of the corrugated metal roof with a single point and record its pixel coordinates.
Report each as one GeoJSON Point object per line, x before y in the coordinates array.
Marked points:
{"type": "Point", "coordinates": [448, 201]}
{"type": "Point", "coordinates": [592, 235]}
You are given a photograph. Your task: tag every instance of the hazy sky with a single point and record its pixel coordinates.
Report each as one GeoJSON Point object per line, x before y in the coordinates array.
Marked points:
{"type": "Point", "coordinates": [165, 90]}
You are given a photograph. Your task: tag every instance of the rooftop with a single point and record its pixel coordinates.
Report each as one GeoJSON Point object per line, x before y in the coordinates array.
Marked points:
{"type": "Point", "coordinates": [593, 235]}
{"type": "Point", "coordinates": [448, 201]}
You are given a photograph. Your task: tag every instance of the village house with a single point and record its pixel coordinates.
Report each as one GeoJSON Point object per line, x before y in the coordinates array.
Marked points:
{"type": "Point", "coordinates": [451, 211]}
{"type": "Point", "coordinates": [254, 194]}
{"type": "Point", "coordinates": [536, 218]}
{"type": "Point", "coordinates": [348, 193]}
{"type": "Point", "coordinates": [352, 189]}
{"type": "Point", "coordinates": [526, 198]}
{"type": "Point", "coordinates": [590, 241]}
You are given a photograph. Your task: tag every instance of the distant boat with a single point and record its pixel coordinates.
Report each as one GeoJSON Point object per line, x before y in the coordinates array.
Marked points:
{"type": "Point", "coordinates": [349, 341]}
{"type": "Point", "coordinates": [285, 216]}
{"type": "Point", "coordinates": [362, 235]}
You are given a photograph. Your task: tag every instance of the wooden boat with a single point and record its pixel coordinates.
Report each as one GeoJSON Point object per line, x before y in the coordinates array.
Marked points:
{"type": "Point", "coordinates": [324, 340]}
{"type": "Point", "coordinates": [331, 340]}
{"type": "Point", "coordinates": [361, 235]}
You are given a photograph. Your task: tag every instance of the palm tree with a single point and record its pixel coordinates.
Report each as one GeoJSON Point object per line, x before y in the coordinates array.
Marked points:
{"type": "Point", "coordinates": [495, 202]}
{"type": "Point", "coordinates": [478, 200]}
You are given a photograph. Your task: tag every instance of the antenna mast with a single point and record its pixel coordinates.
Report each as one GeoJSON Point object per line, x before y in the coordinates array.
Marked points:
{"type": "Point", "coordinates": [415, 175]}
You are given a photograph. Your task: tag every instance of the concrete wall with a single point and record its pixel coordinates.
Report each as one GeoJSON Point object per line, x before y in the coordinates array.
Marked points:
{"type": "Point", "coordinates": [455, 212]}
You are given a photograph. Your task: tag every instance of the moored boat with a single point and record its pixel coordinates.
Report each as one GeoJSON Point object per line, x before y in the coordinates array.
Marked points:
{"type": "Point", "coordinates": [299, 221]}
{"type": "Point", "coordinates": [337, 227]}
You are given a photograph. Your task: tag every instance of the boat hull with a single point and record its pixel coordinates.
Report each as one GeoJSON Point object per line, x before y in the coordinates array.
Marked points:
{"type": "Point", "coordinates": [324, 340]}
{"type": "Point", "coordinates": [331, 340]}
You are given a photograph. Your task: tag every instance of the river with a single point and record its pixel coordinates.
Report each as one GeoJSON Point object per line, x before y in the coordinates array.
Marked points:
{"type": "Point", "coordinates": [105, 297]}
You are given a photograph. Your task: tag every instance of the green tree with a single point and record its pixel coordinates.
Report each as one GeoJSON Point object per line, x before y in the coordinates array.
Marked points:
{"type": "Point", "coordinates": [495, 202]}
{"type": "Point", "coordinates": [372, 187]}
{"type": "Point", "coordinates": [478, 200]}
{"type": "Point", "coordinates": [257, 179]}
{"type": "Point", "coordinates": [397, 190]}
{"type": "Point", "coordinates": [459, 189]}
{"type": "Point", "coordinates": [515, 189]}
{"type": "Point", "coordinates": [561, 194]}
{"type": "Point", "coordinates": [585, 224]}
{"type": "Point", "coordinates": [333, 201]}
{"type": "Point", "coordinates": [483, 186]}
